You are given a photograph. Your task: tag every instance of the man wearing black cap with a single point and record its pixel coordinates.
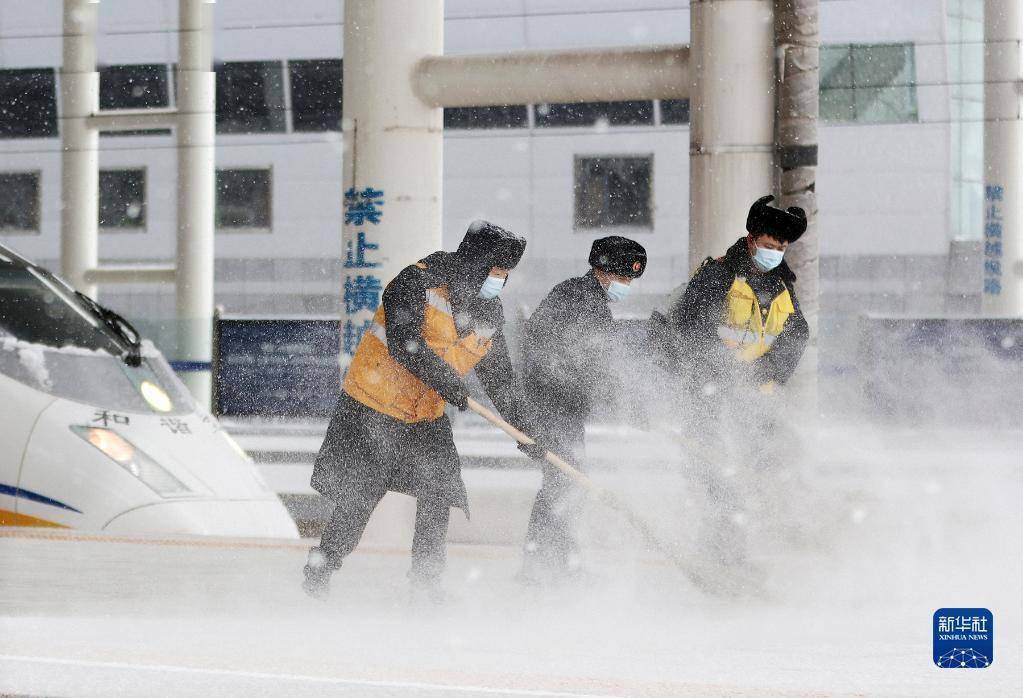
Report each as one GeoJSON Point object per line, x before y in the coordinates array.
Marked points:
{"type": "Point", "coordinates": [738, 320]}
{"type": "Point", "coordinates": [565, 369]}
{"type": "Point", "coordinates": [440, 318]}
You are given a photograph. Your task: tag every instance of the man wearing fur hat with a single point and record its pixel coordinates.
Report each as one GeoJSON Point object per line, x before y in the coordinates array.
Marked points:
{"type": "Point", "coordinates": [736, 334]}
{"type": "Point", "coordinates": [738, 320]}
{"type": "Point", "coordinates": [566, 371]}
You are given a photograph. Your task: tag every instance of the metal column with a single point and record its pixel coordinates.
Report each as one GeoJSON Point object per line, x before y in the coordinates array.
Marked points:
{"type": "Point", "coordinates": [196, 126]}
{"type": "Point", "coordinates": [79, 183]}
{"type": "Point", "coordinates": [732, 124]}
{"type": "Point", "coordinates": [798, 51]}
{"type": "Point", "coordinates": [1003, 246]}
{"type": "Point", "coordinates": [393, 151]}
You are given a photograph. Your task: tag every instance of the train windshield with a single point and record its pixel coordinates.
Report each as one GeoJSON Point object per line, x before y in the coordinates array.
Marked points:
{"type": "Point", "coordinates": [66, 345]}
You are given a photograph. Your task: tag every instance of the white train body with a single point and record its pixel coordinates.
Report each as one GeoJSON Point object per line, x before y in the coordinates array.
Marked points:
{"type": "Point", "coordinates": [92, 438]}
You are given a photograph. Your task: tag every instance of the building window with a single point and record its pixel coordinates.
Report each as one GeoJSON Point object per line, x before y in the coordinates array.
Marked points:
{"type": "Point", "coordinates": [19, 202]}
{"type": "Point", "coordinates": [589, 113]}
{"type": "Point", "coordinates": [315, 95]}
{"type": "Point", "coordinates": [122, 199]}
{"type": "Point", "coordinates": [511, 116]}
{"type": "Point", "coordinates": [28, 103]}
{"type": "Point", "coordinates": [674, 111]}
{"type": "Point", "coordinates": [133, 86]}
{"type": "Point", "coordinates": [243, 199]}
{"type": "Point", "coordinates": [868, 83]}
{"type": "Point", "coordinates": [250, 97]}
{"type": "Point", "coordinates": [613, 191]}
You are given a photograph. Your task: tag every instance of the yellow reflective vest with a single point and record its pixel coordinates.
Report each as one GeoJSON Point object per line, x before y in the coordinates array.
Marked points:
{"type": "Point", "coordinates": [376, 380]}
{"type": "Point", "coordinates": [745, 327]}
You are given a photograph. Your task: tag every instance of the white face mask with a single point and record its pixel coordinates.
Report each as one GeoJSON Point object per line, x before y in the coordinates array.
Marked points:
{"type": "Point", "coordinates": [491, 287]}
{"type": "Point", "coordinates": [766, 259]}
{"type": "Point", "coordinates": [617, 291]}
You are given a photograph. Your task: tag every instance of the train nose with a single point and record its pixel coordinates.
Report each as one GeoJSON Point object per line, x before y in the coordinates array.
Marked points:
{"type": "Point", "coordinates": [266, 518]}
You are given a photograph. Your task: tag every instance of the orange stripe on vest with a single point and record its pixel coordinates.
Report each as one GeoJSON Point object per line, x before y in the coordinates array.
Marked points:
{"type": "Point", "coordinates": [376, 380]}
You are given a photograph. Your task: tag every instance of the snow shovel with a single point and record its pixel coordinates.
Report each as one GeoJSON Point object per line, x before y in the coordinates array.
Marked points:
{"type": "Point", "coordinates": [603, 494]}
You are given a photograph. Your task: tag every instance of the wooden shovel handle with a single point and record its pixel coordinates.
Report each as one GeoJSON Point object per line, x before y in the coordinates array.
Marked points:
{"type": "Point", "coordinates": [558, 462]}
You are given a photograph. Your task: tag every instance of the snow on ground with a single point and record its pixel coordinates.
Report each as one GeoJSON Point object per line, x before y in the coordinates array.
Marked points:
{"type": "Point", "coordinates": [903, 523]}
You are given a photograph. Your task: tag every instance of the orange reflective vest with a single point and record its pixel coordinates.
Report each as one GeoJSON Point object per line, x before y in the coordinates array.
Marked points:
{"type": "Point", "coordinates": [376, 380]}
{"type": "Point", "coordinates": [745, 327]}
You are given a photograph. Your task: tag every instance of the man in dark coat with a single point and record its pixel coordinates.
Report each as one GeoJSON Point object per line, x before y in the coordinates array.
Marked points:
{"type": "Point", "coordinates": [738, 320]}
{"type": "Point", "coordinates": [735, 334]}
{"type": "Point", "coordinates": [439, 319]}
{"type": "Point", "coordinates": [565, 352]}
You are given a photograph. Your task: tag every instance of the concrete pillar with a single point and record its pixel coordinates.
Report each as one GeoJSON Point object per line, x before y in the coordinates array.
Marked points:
{"type": "Point", "coordinates": [79, 184]}
{"type": "Point", "coordinates": [797, 42]}
{"type": "Point", "coordinates": [393, 152]}
{"type": "Point", "coordinates": [196, 129]}
{"type": "Point", "coordinates": [732, 119]}
{"type": "Point", "coordinates": [1003, 233]}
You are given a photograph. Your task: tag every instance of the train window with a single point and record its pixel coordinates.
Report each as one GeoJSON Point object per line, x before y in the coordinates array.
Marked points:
{"type": "Point", "coordinates": [243, 199]}
{"type": "Point", "coordinates": [316, 95]}
{"type": "Point", "coordinates": [250, 97]}
{"type": "Point", "coordinates": [19, 202]}
{"type": "Point", "coordinates": [37, 311]}
{"type": "Point", "coordinates": [613, 191]}
{"type": "Point", "coordinates": [52, 343]}
{"type": "Point", "coordinates": [122, 199]}
{"type": "Point", "coordinates": [28, 103]}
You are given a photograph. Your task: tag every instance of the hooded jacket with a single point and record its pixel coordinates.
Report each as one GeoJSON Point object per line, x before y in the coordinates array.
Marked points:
{"type": "Point", "coordinates": [429, 332]}
{"type": "Point", "coordinates": [399, 439]}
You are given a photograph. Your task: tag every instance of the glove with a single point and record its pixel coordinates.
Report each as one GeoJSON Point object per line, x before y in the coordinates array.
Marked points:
{"type": "Point", "coordinates": [461, 400]}
{"type": "Point", "coordinates": [534, 451]}
{"type": "Point", "coordinates": [455, 393]}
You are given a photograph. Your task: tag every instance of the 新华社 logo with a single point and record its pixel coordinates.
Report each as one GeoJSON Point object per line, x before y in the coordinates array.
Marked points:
{"type": "Point", "coordinates": [963, 638]}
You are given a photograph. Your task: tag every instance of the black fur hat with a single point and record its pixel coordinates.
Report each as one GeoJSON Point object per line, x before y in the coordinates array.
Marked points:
{"type": "Point", "coordinates": [618, 255]}
{"type": "Point", "coordinates": [788, 225]}
{"type": "Point", "coordinates": [492, 245]}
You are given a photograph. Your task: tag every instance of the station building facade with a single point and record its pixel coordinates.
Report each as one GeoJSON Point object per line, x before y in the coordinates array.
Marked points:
{"type": "Point", "coordinates": [899, 183]}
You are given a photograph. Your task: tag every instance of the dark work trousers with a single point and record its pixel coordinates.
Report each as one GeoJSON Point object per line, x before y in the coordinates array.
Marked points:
{"type": "Point", "coordinates": [737, 425]}
{"type": "Point", "coordinates": [348, 522]}
{"type": "Point", "coordinates": [550, 536]}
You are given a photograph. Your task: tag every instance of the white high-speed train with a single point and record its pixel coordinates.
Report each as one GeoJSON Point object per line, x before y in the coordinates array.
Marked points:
{"type": "Point", "coordinates": [97, 433]}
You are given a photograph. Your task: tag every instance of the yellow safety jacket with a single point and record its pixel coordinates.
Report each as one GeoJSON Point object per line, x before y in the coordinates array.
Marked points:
{"type": "Point", "coordinates": [745, 327]}
{"type": "Point", "coordinates": [376, 380]}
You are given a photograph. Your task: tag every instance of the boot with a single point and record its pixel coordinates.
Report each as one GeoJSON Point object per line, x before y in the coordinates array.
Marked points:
{"type": "Point", "coordinates": [426, 589]}
{"type": "Point", "coordinates": [317, 573]}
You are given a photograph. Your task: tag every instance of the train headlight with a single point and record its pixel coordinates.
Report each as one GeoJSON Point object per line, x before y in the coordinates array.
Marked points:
{"type": "Point", "coordinates": [121, 451]}
{"type": "Point", "coordinates": [156, 396]}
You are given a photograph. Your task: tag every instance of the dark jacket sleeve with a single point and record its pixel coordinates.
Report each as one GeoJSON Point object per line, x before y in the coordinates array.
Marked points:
{"type": "Point", "coordinates": [566, 347]}
{"type": "Point", "coordinates": [780, 362]}
{"type": "Point", "coordinates": [404, 313]}
{"type": "Point", "coordinates": [498, 378]}
{"type": "Point", "coordinates": [697, 314]}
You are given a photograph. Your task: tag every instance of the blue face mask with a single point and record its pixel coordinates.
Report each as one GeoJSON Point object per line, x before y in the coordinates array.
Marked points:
{"type": "Point", "coordinates": [617, 291]}
{"type": "Point", "coordinates": [491, 287]}
{"type": "Point", "coordinates": [766, 259]}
